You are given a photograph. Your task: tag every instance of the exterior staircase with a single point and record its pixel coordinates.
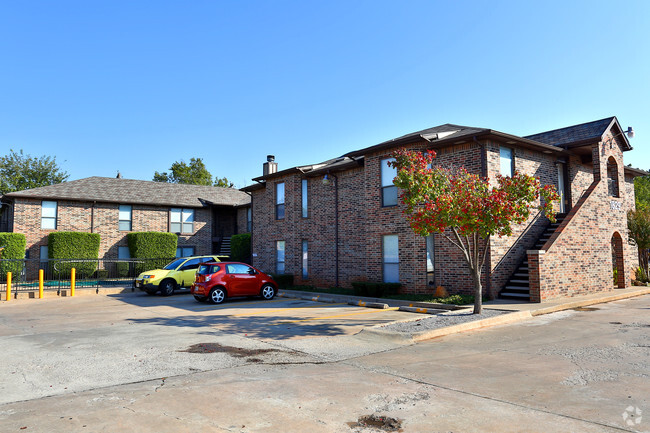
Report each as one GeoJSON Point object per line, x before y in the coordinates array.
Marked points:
{"type": "Point", "coordinates": [518, 286]}
{"type": "Point", "coordinates": [224, 249]}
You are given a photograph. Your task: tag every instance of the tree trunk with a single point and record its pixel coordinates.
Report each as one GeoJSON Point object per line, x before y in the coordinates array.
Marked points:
{"type": "Point", "coordinates": [478, 291]}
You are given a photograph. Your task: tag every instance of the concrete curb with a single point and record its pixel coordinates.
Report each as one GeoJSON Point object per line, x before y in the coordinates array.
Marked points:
{"type": "Point", "coordinates": [378, 305]}
{"type": "Point", "coordinates": [422, 310]}
{"type": "Point", "coordinates": [586, 302]}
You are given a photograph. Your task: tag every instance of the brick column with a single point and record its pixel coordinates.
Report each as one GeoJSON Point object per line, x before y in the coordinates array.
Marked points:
{"type": "Point", "coordinates": [535, 258]}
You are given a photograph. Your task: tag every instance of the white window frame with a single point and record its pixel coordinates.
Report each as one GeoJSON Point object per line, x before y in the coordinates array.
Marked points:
{"type": "Point", "coordinates": [181, 219]}
{"type": "Point", "coordinates": [125, 218]}
{"type": "Point", "coordinates": [49, 215]}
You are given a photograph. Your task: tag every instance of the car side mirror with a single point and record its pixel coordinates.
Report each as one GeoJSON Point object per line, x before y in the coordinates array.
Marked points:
{"type": "Point", "coordinates": [252, 272]}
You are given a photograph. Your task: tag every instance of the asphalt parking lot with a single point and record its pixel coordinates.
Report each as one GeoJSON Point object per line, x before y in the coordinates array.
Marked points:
{"type": "Point", "coordinates": [171, 365]}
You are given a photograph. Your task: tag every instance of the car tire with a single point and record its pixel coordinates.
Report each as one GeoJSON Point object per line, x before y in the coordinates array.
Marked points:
{"type": "Point", "coordinates": [200, 298]}
{"type": "Point", "coordinates": [267, 292]}
{"type": "Point", "coordinates": [167, 287]}
{"type": "Point", "coordinates": [217, 295]}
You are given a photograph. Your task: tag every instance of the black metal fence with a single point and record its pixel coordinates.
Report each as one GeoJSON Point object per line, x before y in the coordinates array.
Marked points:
{"type": "Point", "coordinates": [89, 273]}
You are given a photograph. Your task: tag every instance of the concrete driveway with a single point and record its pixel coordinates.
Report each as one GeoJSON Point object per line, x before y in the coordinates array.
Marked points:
{"type": "Point", "coordinates": [192, 370]}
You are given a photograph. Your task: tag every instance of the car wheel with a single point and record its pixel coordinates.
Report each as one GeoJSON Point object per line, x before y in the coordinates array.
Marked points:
{"type": "Point", "coordinates": [167, 287]}
{"type": "Point", "coordinates": [217, 295]}
{"type": "Point", "coordinates": [200, 298]}
{"type": "Point", "coordinates": [267, 292]}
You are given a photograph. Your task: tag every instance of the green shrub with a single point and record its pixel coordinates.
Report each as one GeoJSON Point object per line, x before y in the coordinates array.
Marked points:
{"type": "Point", "coordinates": [240, 247]}
{"type": "Point", "coordinates": [101, 274]}
{"type": "Point", "coordinates": [152, 245]}
{"type": "Point", "coordinates": [13, 254]}
{"type": "Point", "coordinates": [122, 269]}
{"type": "Point", "coordinates": [283, 280]}
{"type": "Point", "coordinates": [375, 290]}
{"type": "Point", "coordinates": [64, 247]}
{"type": "Point", "coordinates": [641, 275]}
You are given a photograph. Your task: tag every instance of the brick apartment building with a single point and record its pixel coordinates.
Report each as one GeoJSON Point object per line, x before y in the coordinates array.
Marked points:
{"type": "Point", "coordinates": [340, 221]}
{"type": "Point", "coordinates": [204, 217]}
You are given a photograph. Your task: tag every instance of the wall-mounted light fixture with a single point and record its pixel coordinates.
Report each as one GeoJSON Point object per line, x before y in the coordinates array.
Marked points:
{"type": "Point", "coordinates": [327, 180]}
{"type": "Point", "coordinates": [629, 132]}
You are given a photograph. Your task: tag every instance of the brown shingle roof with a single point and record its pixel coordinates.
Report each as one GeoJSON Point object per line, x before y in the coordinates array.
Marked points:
{"type": "Point", "coordinates": [131, 191]}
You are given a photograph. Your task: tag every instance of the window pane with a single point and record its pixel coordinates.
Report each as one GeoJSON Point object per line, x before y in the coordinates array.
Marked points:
{"type": "Point", "coordinates": [188, 215]}
{"type": "Point", "coordinates": [280, 268]}
{"type": "Point", "coordinates": [391, 273]}
{"type": "Point", "coordinates": [505, 155]}
{"type": "Point", "coordinates": [125, 213]}
{"type": "Point", "coordinates": [48, 223]}
{"type": "Point", "coordinates": [279, 211]}
{"type": "Point", "coordinates": [125, 226]}
{"type": "Point", "coordinates": [304, 198]}
{"type": "Point", "coordinates": [48, 209]}
{"type": "Point", "coordinates": [305, 261]}
{"type": "Point", "coordinates": [391, 249]}
{"type": "Point", "coordinates": [123, 253]}
{"type": "Point", "coordinates": [175, 215]}
{"type": "Point", "coordinates": [430, 254]}
{"type": "Point", "coordinates": [279, 193]}
{"type": "Point", "coordinates": [389, 196]}
{"type": "Point", "coordinates": [387, 173]}
{"type": "Point", "coordinates": [188, 228]}
{"type": "Point", "coordinates": [44, 253]}
{"type": "Point", "coordinates": [175, 227]}
{"type": "Point", "coordinates": [280, 251]}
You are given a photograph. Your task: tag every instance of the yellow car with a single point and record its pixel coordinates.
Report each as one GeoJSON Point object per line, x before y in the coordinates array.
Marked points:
{"type": "Point", "coordinates": [179, 273]}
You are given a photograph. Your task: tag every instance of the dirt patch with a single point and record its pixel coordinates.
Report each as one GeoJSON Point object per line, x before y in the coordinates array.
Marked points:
{"type": "Point", "coordinates": [378, 422]}
{"type": "Point", "coordinates": [237, 352]}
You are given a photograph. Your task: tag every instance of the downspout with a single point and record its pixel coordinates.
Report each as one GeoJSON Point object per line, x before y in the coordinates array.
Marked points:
{"type": "Point", "coordinates": [336, 226]}
{"type": "Point", "coordinates": [484, 173]}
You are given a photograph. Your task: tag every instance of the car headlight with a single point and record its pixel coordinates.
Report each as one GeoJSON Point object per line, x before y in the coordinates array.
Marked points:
{"type": "Point", "coordinates": [148, 276]}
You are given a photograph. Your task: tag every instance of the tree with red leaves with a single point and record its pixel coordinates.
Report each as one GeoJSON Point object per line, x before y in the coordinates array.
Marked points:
{"type": "Point", "coordinates": [465, 208]}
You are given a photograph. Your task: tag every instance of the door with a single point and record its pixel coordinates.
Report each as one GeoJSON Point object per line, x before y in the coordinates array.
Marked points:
{"type": "Point", "coordinates": [241, 280]}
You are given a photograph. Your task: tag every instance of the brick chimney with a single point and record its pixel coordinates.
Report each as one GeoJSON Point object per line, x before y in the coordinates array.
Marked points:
{"type": "Point", "coordinates": [270, 166]}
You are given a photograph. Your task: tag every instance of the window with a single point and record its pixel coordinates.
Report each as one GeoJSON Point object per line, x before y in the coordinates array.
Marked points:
{"type": "Point", "coordinates": [279, 257]}
{"type": "Point", "coordinates": [249, 220]}
{"type": "Point", "coordinates": [388, 189]}
{"type": "Point", "coordinates": [125, 218]}
{"type": "Point", "coordinates": [612, 177]}
{"type": "Point", "coordinates": [48, 215]}
{"type": "Point", "coordinates": [238, 268]}
{"type": "Point", "coordinates": [430, 260]}
{"type": "Point", "coordinates": [44, 256]}
{"type": "Point", "coordinates": [390, 257]}
{"type": "Point", "coordinates": [123, 253]}
{"type": "Point", "coordinates": [279, 201]}
{"type": "Point", "coordinates": [305, 260]}
{"type": "Point", "coordinates": [507, 161]}
{"type": "Point", "coordinates": [181, 220]}
{"type": "Point", "coordinates": [305, 211]}
{"type": "Point", "coordinates": [184, 251]}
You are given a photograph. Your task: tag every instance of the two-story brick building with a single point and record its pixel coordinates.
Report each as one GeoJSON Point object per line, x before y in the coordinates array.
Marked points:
{"type": "Point", "coordinates": [340, 221]}
{"type": "Point", "coordinates": [204, 217]}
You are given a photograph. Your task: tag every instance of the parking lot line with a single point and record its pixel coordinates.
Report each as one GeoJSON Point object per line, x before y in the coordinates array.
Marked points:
{"type": "Point", "coordinates": [288, 308]}
{"type": "Point", "coordinates": [337, 315]}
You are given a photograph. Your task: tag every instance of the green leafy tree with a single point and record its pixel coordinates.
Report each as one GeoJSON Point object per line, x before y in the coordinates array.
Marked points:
{"type": "Point", "coordinates": [468, 207]}
{"type": "Point", "coordinates": [638, 224]}
{"type": "Point", "coordinates": [642, 192]}
{"type": "Point", "coordinates": [19, 172]}
{"type": "Point", "coordinates": [194, 173]}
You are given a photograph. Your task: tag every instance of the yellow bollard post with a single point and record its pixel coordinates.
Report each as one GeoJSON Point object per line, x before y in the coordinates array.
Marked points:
{"type": "Point", "coordinates": [8, 298]}
{"type": "Point", "coordinates": [40, 284]}
{"type": "Point", "coordinates": [73, 271]}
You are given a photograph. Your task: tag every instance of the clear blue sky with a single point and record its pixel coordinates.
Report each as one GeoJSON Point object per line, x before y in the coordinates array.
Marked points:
{"type": "Point", "coordinates": [136, 85]}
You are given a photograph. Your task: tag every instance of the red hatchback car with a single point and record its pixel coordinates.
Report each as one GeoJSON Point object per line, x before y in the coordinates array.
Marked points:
{"type": "Point", "coordinates": [217, 280]}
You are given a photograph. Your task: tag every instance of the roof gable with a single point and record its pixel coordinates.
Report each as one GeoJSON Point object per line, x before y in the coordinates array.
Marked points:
{"type": "Point", "coordinates": [131, 191]}
{"type": "Point", "coordinates": [564, 137]}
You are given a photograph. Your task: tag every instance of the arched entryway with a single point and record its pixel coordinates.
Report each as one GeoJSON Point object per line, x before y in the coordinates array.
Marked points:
{"type": "Point", "coordinates": [618, 260]}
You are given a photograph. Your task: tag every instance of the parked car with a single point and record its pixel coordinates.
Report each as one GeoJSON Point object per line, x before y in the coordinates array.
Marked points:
{"type": "Point", "coordinates": [177, 274]}
{"type": "Point", "coordinates": [218, 280]}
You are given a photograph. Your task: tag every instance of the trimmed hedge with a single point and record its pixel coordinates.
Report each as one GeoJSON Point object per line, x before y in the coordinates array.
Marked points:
{"type": "Point", "coordinates": [240, 247]}
{"type": "Point", "coordinates": [151, 245]}
{"type": "Point", "coordinates": [375, 290]}
{"type": "Point", "coordinates": [74, 245]}
{"type": "Point", "coordinates": [14, 250]}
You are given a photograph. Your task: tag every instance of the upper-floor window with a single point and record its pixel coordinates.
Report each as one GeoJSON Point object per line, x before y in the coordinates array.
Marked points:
{"type": "Point", "coordinates": [48, 215]}
{"type": "Point", "coordinates": [507, 161]}
{"type": "Point", "coordinates": [279, 201]}
{"type": "Point", "coordinates": [612, 177]}
{"type": "Point", "coordinates": [125, 218]}
{"type": "Point", "coordinates": [305, 201]}
{"type": "Point", "coordinates": [388, 189]}
{"type": "Point", "coordinates": [181, 220]}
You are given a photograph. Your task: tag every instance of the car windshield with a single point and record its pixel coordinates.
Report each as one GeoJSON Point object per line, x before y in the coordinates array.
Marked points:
{"type": "Point", "coordinates": [173, 265]}
{"type": "Point", "coordinates": [208, 269]}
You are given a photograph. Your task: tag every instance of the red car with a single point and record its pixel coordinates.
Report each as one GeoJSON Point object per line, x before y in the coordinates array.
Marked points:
{"type": "Point", "coordinates": [217, 280]}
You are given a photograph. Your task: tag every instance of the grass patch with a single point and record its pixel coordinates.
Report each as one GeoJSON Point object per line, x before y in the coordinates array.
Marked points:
{"type": "Point", "coordinates": [453, 299]}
